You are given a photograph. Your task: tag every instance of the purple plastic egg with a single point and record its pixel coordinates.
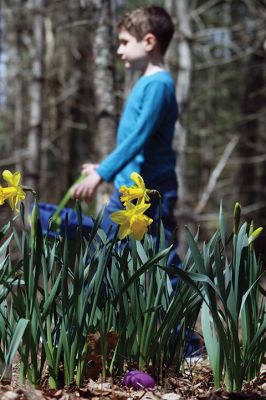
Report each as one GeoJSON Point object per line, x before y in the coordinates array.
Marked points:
{"type": "Point", "coordinates": [138, 380]}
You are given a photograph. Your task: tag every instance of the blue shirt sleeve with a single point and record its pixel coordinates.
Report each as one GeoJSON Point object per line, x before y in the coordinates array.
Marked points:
{"type": "Point", "coordinates": [154, 107]}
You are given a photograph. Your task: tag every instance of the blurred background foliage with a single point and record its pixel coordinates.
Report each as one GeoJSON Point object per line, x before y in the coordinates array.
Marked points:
{"type": "Point", "coordinates": [62, 90]}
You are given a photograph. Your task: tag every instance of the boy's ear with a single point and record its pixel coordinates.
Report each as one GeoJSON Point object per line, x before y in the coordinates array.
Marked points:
{"type": "Point", "coordinates": [150, 40]}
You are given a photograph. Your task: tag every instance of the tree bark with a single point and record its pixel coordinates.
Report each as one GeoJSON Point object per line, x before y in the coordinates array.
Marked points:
{"type": "Point", "coordinates": [180, 10]}
{"type": "Point", "coordinates": [11, 34]}
{"type": "Point", "coordinates": [104, 84]}
{"type": "Point", "coordinates": [34, 139]}
{"type": "Point", "coordinates": [252, 176]}
{"type": "Point", "coordinates": [18, 91]}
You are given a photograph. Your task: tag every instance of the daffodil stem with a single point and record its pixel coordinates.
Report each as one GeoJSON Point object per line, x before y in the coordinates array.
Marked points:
{"type": "Point", "coordinates": [67, 197]}
{"type": "Point", "coordinates": [28, 189]}
{"type": "Point", "coordinates": [159, 220]}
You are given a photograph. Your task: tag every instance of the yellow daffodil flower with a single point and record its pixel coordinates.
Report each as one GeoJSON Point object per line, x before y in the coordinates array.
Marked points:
{"type": "Point", "coordinates": [11, 179]}
{"type": "Point", "coordinates": [139, 226]}
{"type": "Point", "coordinates": [2, 196]}
{"type": "Point", "coordinates": [14, 192]}
{"type": "Point", "coordinates": [132, 221]}
{"type": "Point", "coordinates": [137, 191]}
{"type": "Point", "coordinates": [6, 193]}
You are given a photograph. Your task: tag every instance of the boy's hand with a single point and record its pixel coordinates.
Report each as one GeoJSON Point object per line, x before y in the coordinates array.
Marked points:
{"type": "Point", "coordinates": [86, 189]}
{"type": "Point", "coordinates": [88, 168]}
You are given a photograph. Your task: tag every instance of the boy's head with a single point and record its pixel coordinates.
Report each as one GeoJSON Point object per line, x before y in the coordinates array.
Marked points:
{"type": "Point", "coordinates": [151, 19]}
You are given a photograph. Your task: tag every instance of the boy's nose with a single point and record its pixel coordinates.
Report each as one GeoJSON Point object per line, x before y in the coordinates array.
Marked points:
{"type": "Point", "coordinates": [119, 50]}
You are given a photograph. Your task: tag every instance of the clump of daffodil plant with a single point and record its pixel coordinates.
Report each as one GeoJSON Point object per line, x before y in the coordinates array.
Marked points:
{"type": "Point", "coordinates": [53, 288]}
{"type": "Point", "coordinates": [132, 219]}
{"type": "Point", "coordinates": [229, 277]}
{"type": "Point", "coordinates": [52, 296]}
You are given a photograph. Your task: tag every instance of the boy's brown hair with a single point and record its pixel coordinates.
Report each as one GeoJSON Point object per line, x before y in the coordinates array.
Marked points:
{"type": "Point", "coordinates": [151, 19]}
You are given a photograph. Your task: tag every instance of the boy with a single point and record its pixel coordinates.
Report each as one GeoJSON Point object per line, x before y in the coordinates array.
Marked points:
{"type": "Point", "coordinates": [147, 124]}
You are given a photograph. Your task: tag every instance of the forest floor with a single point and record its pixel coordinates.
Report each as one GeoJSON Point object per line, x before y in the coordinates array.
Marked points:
{"type": "Point", "coordinates": [195, 383]}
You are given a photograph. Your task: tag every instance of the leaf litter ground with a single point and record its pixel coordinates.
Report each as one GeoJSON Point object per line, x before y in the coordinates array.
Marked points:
{"type": "Point", "coordinates": [195, 383]}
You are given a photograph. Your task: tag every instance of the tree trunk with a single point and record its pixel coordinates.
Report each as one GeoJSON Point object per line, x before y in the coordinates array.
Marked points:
{"type": "Point", "coordinates": [180, 10]}
{"type": "Point", "coordinates": [18, 93]}
{"type": "Point", "coordinates": [104, 84]}
{"type": "Point", "coordinates": [252, 175]}
{"type": "Point", "coordinates": [36, 98]}
{"type": "Point", "coordinates": [12, 68]}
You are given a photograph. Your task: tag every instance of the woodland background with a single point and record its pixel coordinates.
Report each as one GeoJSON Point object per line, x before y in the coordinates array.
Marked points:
{"type": "Point", "coordinates": [62, 89]}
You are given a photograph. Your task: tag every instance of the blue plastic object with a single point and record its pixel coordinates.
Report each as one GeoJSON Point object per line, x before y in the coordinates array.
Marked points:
{"type": "Point", "coordinates": [69, 221]}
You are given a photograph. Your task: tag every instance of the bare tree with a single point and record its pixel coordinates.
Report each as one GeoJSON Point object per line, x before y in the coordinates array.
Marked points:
{"type": "Point", "coordinates": [18, 90]}
{"type": "Point", "coordinates": [34, 138]}
{"type": "Point", "coordinates": [13, 95]}
{"type": "Point", "coordinates": [104, 81]}
{"type": "Point", "coordinates": [179, 8]}
{"type": "Point", "coordinates": [252, 174]}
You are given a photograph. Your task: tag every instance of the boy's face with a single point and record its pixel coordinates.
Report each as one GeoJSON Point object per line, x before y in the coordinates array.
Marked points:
{"type": "Point", "coordinates": [133, 52]}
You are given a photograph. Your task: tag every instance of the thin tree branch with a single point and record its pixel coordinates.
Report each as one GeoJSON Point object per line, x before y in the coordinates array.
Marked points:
{"type": "Point", "coordinates": [219, 63]}
{"type": "Point", "coordinates": [13, 160]}
{"type": "Point", "coordinates": [244, 210]}
{"type": "Point", "coordinates": [249, 160]}
{"type": "Point", "coordinates": [216, 174]}
{"type": "Point", "coordinates": [205, 7]}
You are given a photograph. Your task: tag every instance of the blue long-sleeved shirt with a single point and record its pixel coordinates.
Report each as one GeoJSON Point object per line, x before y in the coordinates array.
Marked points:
{"type": "Point", "coordinates": [145, 133]}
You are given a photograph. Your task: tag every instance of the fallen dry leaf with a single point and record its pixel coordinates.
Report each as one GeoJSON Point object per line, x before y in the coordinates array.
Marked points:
{"type": "Point", "coordinates": [9, 395]}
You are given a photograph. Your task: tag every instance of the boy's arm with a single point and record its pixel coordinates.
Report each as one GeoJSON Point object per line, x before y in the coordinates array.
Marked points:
{"type": "Point", "coordinates": [155, 108]}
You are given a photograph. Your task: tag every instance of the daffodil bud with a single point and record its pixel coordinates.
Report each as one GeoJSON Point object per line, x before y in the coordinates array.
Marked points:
{"type": "Point", "coordinates": [254, 235]}
{"type": "Point", "coordinates": [237, 215]}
